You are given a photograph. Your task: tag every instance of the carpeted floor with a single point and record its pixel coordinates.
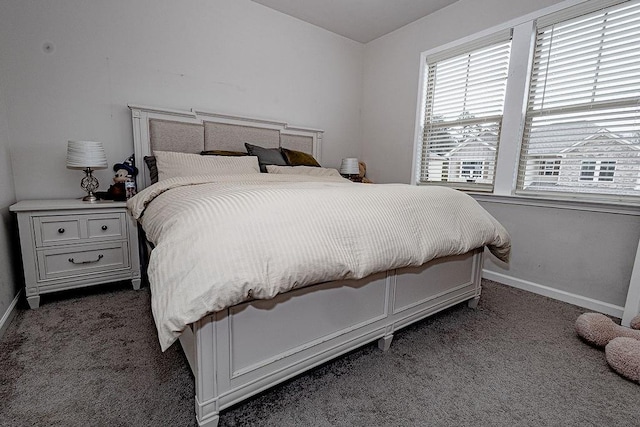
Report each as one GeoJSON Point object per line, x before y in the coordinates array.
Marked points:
{"type": "Point", "coordinates": [91, 358]}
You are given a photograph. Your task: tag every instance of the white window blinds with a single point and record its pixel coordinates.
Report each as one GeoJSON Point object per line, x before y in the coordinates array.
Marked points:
{"type": "Point", "coordinates": [464, 99]}
{"type": "Point", "coordinates": [583, 113]}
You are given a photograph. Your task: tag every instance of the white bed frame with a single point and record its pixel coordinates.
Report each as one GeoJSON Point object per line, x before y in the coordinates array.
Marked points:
{"type": "Point", "coordinates": [250, 347]}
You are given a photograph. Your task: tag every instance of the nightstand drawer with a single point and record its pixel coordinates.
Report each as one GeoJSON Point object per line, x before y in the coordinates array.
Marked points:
{"type": "Point", "coordinates": [62, 230]}
{"type": "Point", "coordinates": [106, 227]}
{"type": "Point", "coordinates": [57, 230]}
{"type": "Point", "coordinates": [82, 259]}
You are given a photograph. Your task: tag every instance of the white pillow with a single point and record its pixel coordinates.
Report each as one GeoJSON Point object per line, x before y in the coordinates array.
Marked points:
{"type": "Point", "coordinates": [172, 164]}
{"type": "Point", "coordinates": [303, 170]}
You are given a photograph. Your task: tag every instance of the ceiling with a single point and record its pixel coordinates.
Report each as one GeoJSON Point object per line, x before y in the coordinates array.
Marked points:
{"type": "Point", "coordinates": [359, 20]}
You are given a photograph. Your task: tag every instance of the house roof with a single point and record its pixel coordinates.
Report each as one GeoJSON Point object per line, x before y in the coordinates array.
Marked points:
{"type": "Point", "coordinates": [598, 136]}
{"type": "Point", "coordinates": [477, 139]}
{"type": "Point", "coordinates": [561, 139]}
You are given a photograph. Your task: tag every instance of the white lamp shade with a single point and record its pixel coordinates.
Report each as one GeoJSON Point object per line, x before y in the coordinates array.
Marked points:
{"type": "Point", "coordinates": [86, 154]}
{"type": "Point", "coordinates": [349, 166]}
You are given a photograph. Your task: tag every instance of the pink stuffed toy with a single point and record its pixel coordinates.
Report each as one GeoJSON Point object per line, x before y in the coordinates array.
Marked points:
{"type": "Point", "coordinates": [623, 355]}
{"type": "Point", "coordinates": [622, 345]}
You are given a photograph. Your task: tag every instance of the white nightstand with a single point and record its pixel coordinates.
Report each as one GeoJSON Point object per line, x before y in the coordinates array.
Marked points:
{"type": "Point", "coordinates": [70, 244]}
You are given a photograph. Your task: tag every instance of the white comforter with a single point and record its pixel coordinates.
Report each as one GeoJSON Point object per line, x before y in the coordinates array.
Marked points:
{"type": "Point", "coordinates": [220, 240]}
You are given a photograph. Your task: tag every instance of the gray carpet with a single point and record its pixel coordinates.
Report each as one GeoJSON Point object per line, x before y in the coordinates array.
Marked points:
{"type": "Point", "coordinates": [91, 358]}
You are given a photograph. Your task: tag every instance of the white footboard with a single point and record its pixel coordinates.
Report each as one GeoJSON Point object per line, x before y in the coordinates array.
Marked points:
{"type": "Point", "coordinates": [250, 347]}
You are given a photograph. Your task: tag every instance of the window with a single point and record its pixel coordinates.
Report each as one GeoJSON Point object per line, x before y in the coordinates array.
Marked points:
{"type": "Point", "coordinates": [472, 170]}
{"type": "Point", "coordinates": [584, 105]}
{"type": "Point", "coordinates": [464, 100]}
{"type": "Point", "coordinates": [606, 170]}
{"type": "Point", "coordinates": [557, 118]}
{"type": "Point", "coordinates": [597, 170]}
{"type": "Point", "coordinates": [588, 171]}
{"type": "Point", "coordinates": [549, 167]}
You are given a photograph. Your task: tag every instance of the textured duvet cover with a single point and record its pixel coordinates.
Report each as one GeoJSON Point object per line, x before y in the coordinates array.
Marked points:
{"type": "Point", "coordinates": [221, 240]}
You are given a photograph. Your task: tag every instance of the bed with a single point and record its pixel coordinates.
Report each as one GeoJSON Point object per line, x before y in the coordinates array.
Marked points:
{"type": "Point", "coordinates": [284, 316]}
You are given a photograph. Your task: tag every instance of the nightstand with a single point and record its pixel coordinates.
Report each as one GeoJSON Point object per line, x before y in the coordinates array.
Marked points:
{"type": "Point", "coordinates": [70, 244]}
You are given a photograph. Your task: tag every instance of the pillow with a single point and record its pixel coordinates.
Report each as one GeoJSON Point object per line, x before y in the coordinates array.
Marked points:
{"type": "Point", "coordinates": [303, 170]}
{"type": "Point", "coordinates": [172, 164]}
{"type": "Point", "coordinates": [298, 158]}
{"type": "Point", "coordinates": [266, 156]}
{"type": "Point", "coordinates": [153, 168]}
{"type": "Point", "coordinates": [223, 153]}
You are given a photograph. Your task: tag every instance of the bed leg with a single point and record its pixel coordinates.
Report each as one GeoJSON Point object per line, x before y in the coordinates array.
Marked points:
{"type": "Point", "coordinates": [34, 301]}
{"type": "Point", "coordinates": [473, 302]}
{"type": "Point", "coordinates": [385, 342]}
{"type": "Point", "coordinates": [211, 421]}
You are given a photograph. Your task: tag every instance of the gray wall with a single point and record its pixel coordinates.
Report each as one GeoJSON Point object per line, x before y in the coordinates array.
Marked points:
{"type": "Point", "coordinates": [582, 253]}
{"type": "Point", "coordinates": [226, 56]}
{"type": "Point", "coordinates": [8, 253]}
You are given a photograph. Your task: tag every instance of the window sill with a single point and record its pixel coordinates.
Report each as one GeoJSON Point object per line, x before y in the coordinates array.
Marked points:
{"type": "Point", "coordinates": [560, 203]}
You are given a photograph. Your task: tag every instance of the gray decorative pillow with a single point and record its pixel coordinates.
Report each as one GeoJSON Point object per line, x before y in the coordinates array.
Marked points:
{"type": "Point", "coordinates": [266, 156]}
{"type": "Point", "coordinates": [153, 168]}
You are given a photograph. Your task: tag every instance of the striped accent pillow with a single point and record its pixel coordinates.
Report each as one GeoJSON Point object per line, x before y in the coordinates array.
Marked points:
{"type": "Point", "coordinates": [172, 164]}
{"type": "Point", "coordinates": [303, 170]}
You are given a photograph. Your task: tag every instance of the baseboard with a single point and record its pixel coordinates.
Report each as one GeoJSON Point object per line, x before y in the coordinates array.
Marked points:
{"type": "Point", "coordinates": [8, 316]}
{"type": "Point", "coordinates": [579, 300]}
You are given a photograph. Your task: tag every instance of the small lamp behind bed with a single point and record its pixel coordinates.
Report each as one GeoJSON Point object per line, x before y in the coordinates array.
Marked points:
{"type": "Point", "coordinates": [350, 169]}
{"type": "Point", "coordinates": [88, 156]}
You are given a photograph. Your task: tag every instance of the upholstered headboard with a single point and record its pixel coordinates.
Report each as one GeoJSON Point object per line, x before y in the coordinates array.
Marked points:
{"type": "Point", "coordinates": [195, 131]}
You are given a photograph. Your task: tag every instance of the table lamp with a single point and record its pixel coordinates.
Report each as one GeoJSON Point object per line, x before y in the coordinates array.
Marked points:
{"type": "Point", "coordinates": [350, 168]}
{"type": "Point", "coordinates": [88, 156]}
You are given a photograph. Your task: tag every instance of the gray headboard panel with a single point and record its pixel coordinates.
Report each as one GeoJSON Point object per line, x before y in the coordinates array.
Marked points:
{"type": "Point", "coordinates": [194, 131]}
{"type": "Point", "coordinates": [166, 135]}
{"type": "Point", "coordinates": [222, 136]}
{"type": "Point", "coordinates": [296, 142]}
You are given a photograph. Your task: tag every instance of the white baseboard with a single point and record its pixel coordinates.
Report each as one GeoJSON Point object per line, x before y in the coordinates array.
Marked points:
{"type": "Point", "coordinates": [8, 315]}
{"type": "Point", "coordinates": [579, 300]}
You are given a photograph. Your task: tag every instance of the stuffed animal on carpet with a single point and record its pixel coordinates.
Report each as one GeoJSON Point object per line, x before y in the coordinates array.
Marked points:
{"type": "Point", "coordinates": [622, 345]}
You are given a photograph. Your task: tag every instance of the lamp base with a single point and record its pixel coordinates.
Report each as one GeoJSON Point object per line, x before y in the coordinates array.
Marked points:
{"type": "Point", "coordinates": [354, 177]}
{"type": "Point", "coordinates": [90, 198]}
{"type": "Point", "coordinates": [89, 184]}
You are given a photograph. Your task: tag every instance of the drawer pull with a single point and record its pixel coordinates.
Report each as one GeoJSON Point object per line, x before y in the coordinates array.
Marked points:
{"type": "Point", "coordinates": [71, 260]}
{"type": "Point", "coordinates": [104, 228]}
{"type": "Point", "coordinates": [60, 230]}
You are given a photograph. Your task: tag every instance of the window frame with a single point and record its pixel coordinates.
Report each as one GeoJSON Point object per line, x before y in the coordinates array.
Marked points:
{"type": "Point", "coordinates": [510, 140]}
{"type": "Point", "coordinates": [489, 170]}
